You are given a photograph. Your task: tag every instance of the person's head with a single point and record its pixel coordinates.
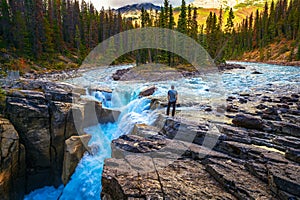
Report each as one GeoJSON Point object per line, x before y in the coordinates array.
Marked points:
{"type": "Point", "coordinates": [172, 87]}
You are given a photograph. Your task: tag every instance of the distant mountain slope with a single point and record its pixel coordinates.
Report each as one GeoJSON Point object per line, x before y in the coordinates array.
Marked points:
{"type": "Point", "coordinates": [225, 3]}
{"type": "Point", "coordinates": [138, 7]}
{"type": "Point", "coordinates": [242, 9]}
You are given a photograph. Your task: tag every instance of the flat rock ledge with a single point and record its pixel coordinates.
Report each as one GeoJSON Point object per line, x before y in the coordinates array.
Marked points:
{"type": "Point", "coordinates": [256, 156]}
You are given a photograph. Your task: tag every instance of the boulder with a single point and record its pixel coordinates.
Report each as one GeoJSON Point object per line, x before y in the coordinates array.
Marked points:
{"type": "Point", "coordinates": [12, 162]}
{"type": "Point", "coordinates": [148, 91]}
{"type": "Point", "coordinates": [248, 121]}
{"type": "Point", "coordinates": [256, 72]}
{"type": "Point", "coordinates": [119, 73]}
{"type": "Point", "coordinates": [75, 147]}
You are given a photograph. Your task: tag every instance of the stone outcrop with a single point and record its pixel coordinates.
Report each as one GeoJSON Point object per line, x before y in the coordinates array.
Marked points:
{"type": "Point", "coordinates": [75, 147]}
{"type": "Point", "coordinates": [12, 162]}
{"type": "Point", "coordinates": [148, 91]}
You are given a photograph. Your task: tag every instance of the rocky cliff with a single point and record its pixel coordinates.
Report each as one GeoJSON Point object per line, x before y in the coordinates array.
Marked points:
{"type": "Point", "coordinates": [12, 162]}
{"type": "Point", "coordinates": [48, 125]}
{"type": "Point", "coordinates": [255, 154]}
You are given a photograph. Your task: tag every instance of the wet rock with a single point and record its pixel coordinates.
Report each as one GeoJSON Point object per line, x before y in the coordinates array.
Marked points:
{"type": "Point", "coordinates": [99, 89]}
{"type": "Point", "coordinates": [12, 162]}
{"type": "Point", "coordinates": [94, 113]}
{"type": "Point", "coordinates": [119, 73]}
{"type": "Point", "coordinates": [248, 121]}
{"type": "Point", "coordinates": [256, 72]}
{"type": "Point", "coordinates": [148, 91]}
{"type": "Point", "coordinates": [75, 147]}
{"type": "Point", "coordinates": [229, 66]}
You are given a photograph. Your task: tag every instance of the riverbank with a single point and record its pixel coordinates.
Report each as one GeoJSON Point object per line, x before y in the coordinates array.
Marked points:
{"type": "Point", "coordinates": [279, 63]}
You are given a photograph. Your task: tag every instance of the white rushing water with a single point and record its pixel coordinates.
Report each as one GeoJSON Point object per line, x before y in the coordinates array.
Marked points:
{"type": "Point", "coordinates": [85, 183]}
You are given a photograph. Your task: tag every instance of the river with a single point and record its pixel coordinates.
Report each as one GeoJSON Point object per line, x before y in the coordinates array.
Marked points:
{"type": "Point", "coordinates": [193, 94]}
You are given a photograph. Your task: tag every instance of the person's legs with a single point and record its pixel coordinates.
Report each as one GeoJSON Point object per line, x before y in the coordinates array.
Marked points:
{"type": "Point", "coordinates": [168, 109]}
{"type": "Point", "coordinates": [174, 107]}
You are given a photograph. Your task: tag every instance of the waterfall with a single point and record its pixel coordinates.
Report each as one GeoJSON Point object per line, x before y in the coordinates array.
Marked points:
{"type": "Point", "coordinates": [85, 183]}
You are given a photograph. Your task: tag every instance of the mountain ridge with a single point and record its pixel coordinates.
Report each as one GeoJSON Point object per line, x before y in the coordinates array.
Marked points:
{"type": "Point", "coordinates": [138, 7]}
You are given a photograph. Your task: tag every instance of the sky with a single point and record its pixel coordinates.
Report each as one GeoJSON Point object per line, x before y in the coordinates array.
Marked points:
{"type": "Point", "coordinates": [119, 3]}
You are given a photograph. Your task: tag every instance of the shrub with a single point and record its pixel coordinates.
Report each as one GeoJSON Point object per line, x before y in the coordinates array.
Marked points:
{"type": "Point", "coordinates": [2, 100]}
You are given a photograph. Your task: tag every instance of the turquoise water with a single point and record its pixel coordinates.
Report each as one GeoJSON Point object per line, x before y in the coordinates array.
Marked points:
{"type": "Point", "coordinates": [86, 181]}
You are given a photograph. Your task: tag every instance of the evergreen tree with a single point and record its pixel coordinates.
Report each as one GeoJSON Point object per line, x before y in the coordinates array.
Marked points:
{"type": "Point", "coordinates": [5, 22]}
{"type": "Point", "coordinates": [229, 24]}
{"type": "Point", "coordinates": [166, 14]}
{"type": "Point", "coordinates": [182, 21]}
{"type": "Point", "coordinates": [194, 26]}
{"type": "Point", "coordinates": [189, 21]}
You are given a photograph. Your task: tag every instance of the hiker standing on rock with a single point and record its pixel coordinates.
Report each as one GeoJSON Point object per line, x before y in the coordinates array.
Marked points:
{"type": "Point", "coordinates": [172, 98]}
